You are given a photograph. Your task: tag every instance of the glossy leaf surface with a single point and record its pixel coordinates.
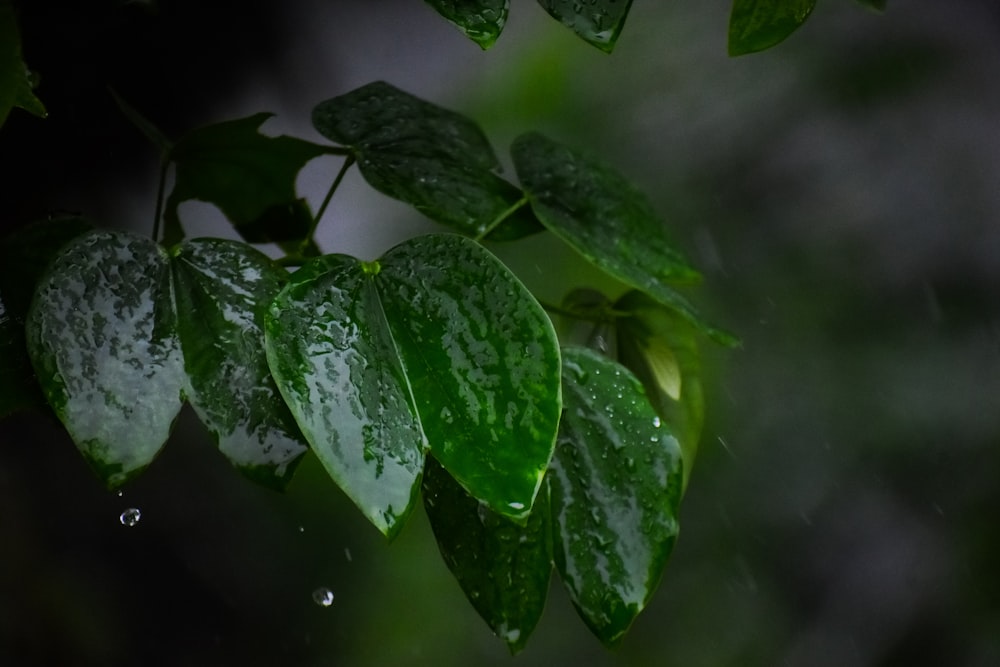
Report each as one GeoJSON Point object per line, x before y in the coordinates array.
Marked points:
{"type": "Point", "coordinates": [222, 290]}
{"type": "Point", "coordinates": [482, 21]}
{"type": "Point", "coordinates": [616, 485]}
{"type": "Point", "coordinates": [483, 362]}
{"type": "Point", "coordinates": [607, 220]}
{"type": "Point", "coordinates": [102, 337]}
{"type": "Point", "coordinates": [249, 176]}
{"type": "Point", "coordinates": [332, 355]}
{"type": "Point", "coordinates": [599, 22]}
{"type": "Point", "coordinates": [435, 159]}
{"type": "Point", "coordinates": [24, 255]}
{"type": "Point", "coordinates": [662, 350]}
{"type": "Point", "coordinates": [755, 25]}
{"type": "Point", "coordinates": [503, 568]}
{"type": "Point", "coordinates": [15, 79]}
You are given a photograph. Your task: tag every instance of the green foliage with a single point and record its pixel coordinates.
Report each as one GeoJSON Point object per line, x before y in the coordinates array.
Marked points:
{"type": "Point", "coordinates": [16, 81]}
{"type": "Point", "coordinates": [480, 20]}
{"type": "Point", "coordinates": [598, 22]}
{"type": "Point", "coordinates": [755, 25]}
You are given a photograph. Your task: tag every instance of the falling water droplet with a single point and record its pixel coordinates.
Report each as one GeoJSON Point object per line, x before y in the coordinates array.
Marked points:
{"type": "Point", "coordinates": [347, 555]}
{"type": "Point", "coordinates": [302, 529]}
{"type": "Point", "coordinates": [121, 493]}
{"type": "Point", "coordinates": [130, 517]}
{"type": "Point", "coordinates": [323, 596]}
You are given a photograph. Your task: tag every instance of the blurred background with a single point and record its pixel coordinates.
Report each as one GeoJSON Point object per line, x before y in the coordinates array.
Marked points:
{"type": "Point", "coordinates": [841, 194]}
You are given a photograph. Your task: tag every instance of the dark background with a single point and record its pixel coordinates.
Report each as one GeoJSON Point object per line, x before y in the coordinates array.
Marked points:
{"type": "Point", "coordinates": [841, 193]}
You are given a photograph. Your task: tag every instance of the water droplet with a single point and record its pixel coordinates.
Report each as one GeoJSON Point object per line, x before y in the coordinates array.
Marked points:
{"type": "Point", "coordinates": [347, 555]}
{"type": "Point", "coordinates": [323, 596]}
{"type": "Point", "coordinates": [130, 517]}
{"type": "Point", "coordinates": [516, 506]}
{"type": "Point", "coordinates": [121, 493]}
{"type": "Point", "coordinates": [302, 529]}
{"type": "Point", "coordinates": [656, 422]}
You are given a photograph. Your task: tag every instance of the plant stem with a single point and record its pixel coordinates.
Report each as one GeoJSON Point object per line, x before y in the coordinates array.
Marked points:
{"type": "Point", "coordinates": [348, 161]}
{"type": "Point", "coordinates": [158, 214]}
{"type": "Point", "coordinates": [500, 218]}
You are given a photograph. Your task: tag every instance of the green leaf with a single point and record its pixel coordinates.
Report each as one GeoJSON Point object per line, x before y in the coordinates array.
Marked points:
{"type": "Point", "coordinates": [436, 344]}
{"type": "Point", "coordinates": [16, 82]}
{"type": "Point", "coordinates": [483, 361]}
{"type": "Point", "coordinates": [222, 290]}
{"type": "Point", "coordinates": [102, 336]}
{"type": "Point", "coordinates": [755, 25]}
{"type": "Point", "coordinates": [662, 350]}
{"type": "Point", "coordinates": [598, 22]}
{"type": "Point", "coordinates": [607, 220]}
{"type": "Point", "coordinates": [434, 159]}
{"type": "Point", "coordinates": [24, 255]}
{"type": "Point", "coordinates": [504, 568]}
{"type": "Point", "coordinates": [616, 482]}
{"type": "Point", "coordinates": [249, 176]}
{"type": "Point", "coordinates": [482, 21]}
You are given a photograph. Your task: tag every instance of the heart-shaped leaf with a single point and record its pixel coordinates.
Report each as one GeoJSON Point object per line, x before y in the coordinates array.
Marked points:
{"type": "Point", "coordinates": [504, 568]}
{"type": "Point", "coordinates": [436, 160]}
{"type": "Point", "coordinates": [24, 255]}
{"type": "Point", "coordinates": [755, 25]}
{"type": "Point", "coordinates": [482, 21]}
{"type": "Point", "coordinates": [607, 220]}
{"type": "Point", "coordinates": [598, 22]}
{"type": "Point", "coordinates": [15, 80]}
{"type": "Point", "coordinates": [102, 336]}
{"type": "Point", "coordinates": [222, 290]}
{"type": "Point", "coordinates": [662, 350]}
{"type": "Point", "coordinates": [249, 176]}
{"type": "Point", "coordinates": [435, 344]}
{"type": "Point", "coordinates": [616, 481]}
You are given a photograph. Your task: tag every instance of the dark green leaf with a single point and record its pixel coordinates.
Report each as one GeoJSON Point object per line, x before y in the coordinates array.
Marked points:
{"type": "Point", "coordinates": [434, 159]}
{"type": "Point", "coordinates": [333, 358]}
{"type": "Point", "coordinates": [249, 176]}
{"type": "Point", "coordinates": [616, 482]}
{"type": "Point", "coordinates": [482, 21]}
{"type": "Point", "coordinates": [877, 5]}
{"type": "Point", "coordinates": [483, 363]}
{"type": "Point", "coordinates": [755, 25]}
{"type": "Point", "coordinates": [503, 568]}
{"type": "Point", "coordinates": [24, 255]}
{"type": "Point", "coordinates": [607, 220]}
{"type": "Point", "coordinates": [15, 80]}
{"type": "Point", "coordinates": [222, 290]}
{"type": "Point", "coordinates": [436, 344]}
{"type": "Point", "coordinates": [102, 336]}
{"type": "Point", "coordinates": [662, 350]}
{"type": "Point", "coordinates": [599, 22]}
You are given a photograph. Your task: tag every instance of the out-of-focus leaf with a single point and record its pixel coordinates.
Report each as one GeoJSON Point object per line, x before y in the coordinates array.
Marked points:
{"type": "Point", "coordinates": [607, 220]}
{"type": "Point", "coordinates": [222, 290]}
{"type": "Point", "coordinates": [588, 321]}
{"type": "Point", "coordinates": [878, 5]}
{"type": "Point", "coordinates": [482, 21]}
{"type": "Point", "coordinates": [249, 176]}
{"type": "Point", "coordinates": [662, 350]}
{"type": "Point", "coordinates": [435, 159]}
{"type": "Point", "coordinates": [615, 482]}
{"type": "Point", "coordinates": [599, 22]}
{"type": "Point", "coordinates": [503, 567]}
{"type": "Point", "coordinates": [24, 255]}
{"type": "Point", "coordinates": [755, 25]}
{"type": "Point", "coordinates": [435, 344]}
{"type": "Point", "coordinates": [102, 337]}
{"type": "Point", "coordinates": [16, 82]}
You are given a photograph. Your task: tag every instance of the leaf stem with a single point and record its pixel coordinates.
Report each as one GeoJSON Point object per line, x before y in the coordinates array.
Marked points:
{"type": "Point", "coordinates": [308, 240]}
{"type": "Point", "coordinates": [500, 218]}
{"type": "Point", "coordinates": [160, 191]}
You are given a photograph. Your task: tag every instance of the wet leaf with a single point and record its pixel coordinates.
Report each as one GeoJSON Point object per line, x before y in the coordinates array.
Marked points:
{"type": "Point", "coordinates": [102, 337]}
{"type": "Point", "coordinates": [222, 290]}
{"type": "Point", "coordinates": [662, 350]}
{"type": "Point", "coordinates": [332, 355]}
{"type": "Point", "coordinates": [607, 220]}
{"type": "Point", "coordinates": [755, 25]}
{"type": "Point", "coordinates": [483, 362]}
{"type": "Point", "coordinates": [249, 176]}
{"type": "Point", "coordinates": [435, 344]}
{"type": "Point", "coordinates": [615, 482]}
{"type": "Point", "coordinates": [434, 159]}
{"type": "Point", "coordinates": [503, 567]}
{"type": "Point", "coordinates": [482, 21]}
{"type": "Point", "coordinates": [598, 22]}
{"type": "Point", "coordinates": [24, 255]}
{"type": "Point", "coordinates": [16, 82]}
